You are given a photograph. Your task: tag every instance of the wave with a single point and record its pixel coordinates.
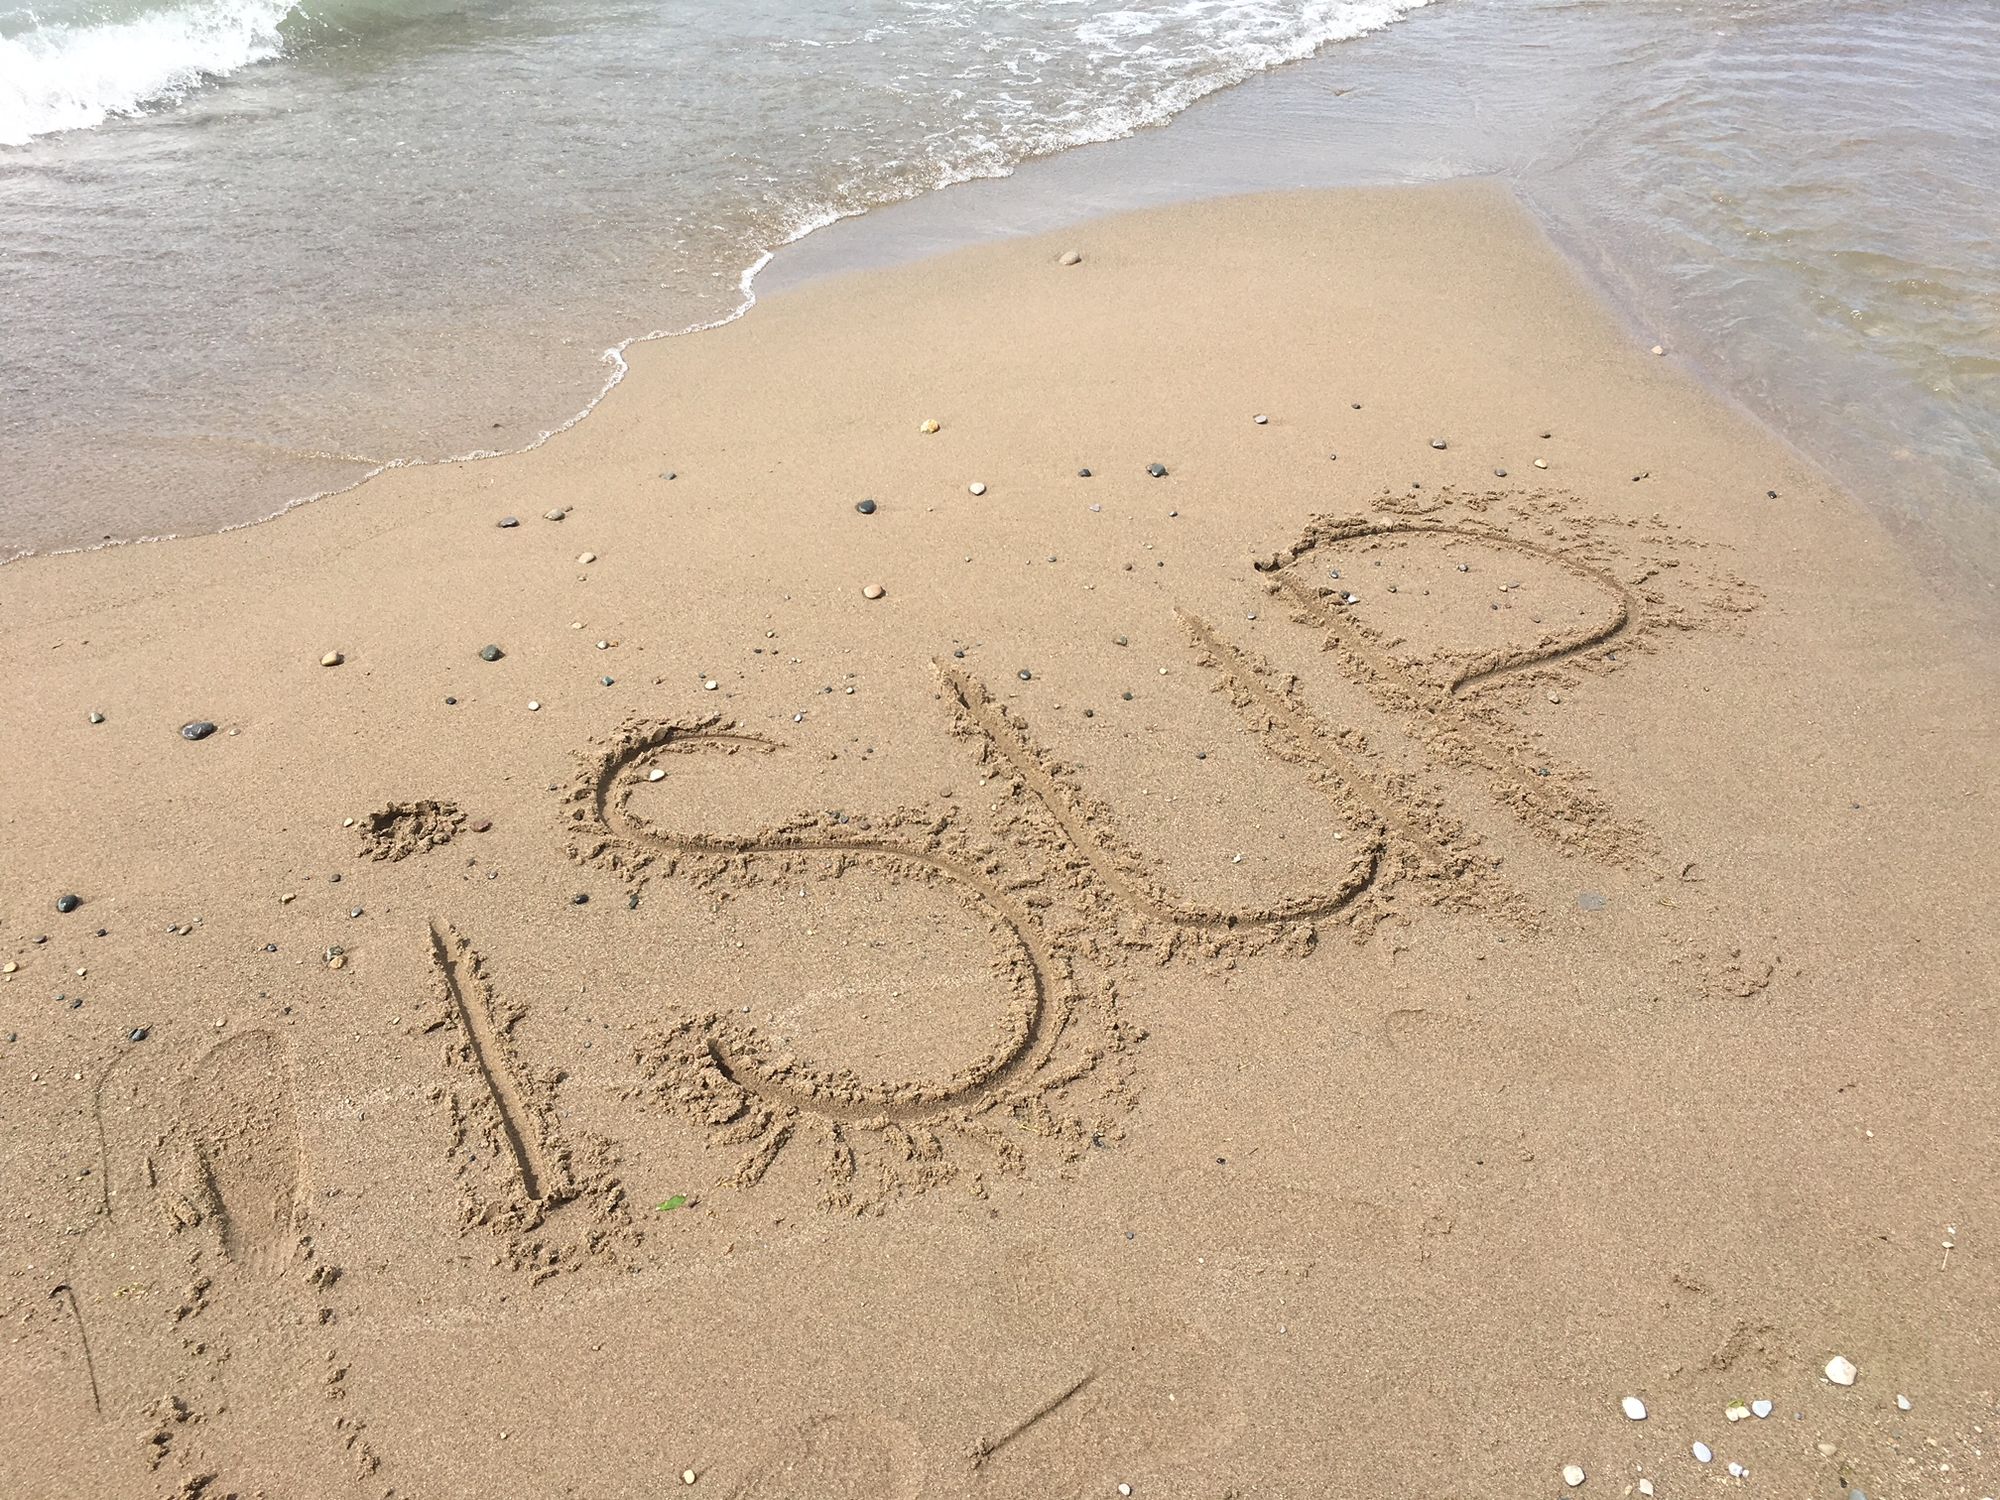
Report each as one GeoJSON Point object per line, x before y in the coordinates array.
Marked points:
{"type": "Point", "coordinates": [70, 76]}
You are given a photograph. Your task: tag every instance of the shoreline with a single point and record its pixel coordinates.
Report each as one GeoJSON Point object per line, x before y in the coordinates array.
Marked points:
{"type": "Point", "coordinates": [1206, 948]}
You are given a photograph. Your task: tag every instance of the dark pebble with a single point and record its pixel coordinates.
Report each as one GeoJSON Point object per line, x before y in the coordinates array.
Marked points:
{"type": "Point", "coordinates": [960, 653]}
{"type": "Point", "coordinates": [1158, 471]}
{"type": "Point", "coordinates": [355, 912]}
{"type": "Point", "coordinates": [490, 653]}
{"type": "Point", "coordinates": [451, 701]}
{"type": "Point", "coordinates": [200, 729]}
{"type": "Point", "coordinates": [1333, 458]}
{"type": "Point", "coordinates": [510, 521]}
{"type": "Point", "coordinates": [1499, 473]}
{"type": "Point", "coordinates": [1025, 674]}
{"type": "Point", "coordinates": [68, 903]}
{"type": "Point", "coordinates": [670, 474]}
{"type": "Point", "coordinates": [139, 1033]}
{"type": "Point", "coordinates": [334, 877]}
{"type": "Point", "coordinates": [866, 507]}
{"type": "Point", "coordinates": [581, 898]}
{"type": "Point", "coordinates": [1770, 494]}
{"type": "Point", "coordinates": [270, 947]}
{"type": "Point", "coordinates": [97, 718]}
{"type": "Point", "coordinates": [1356, 406]}
{"type": "Point", "coordinates": [1126, 696]}
{"type": "Point", "coordinates": [1083, 473]}
{"type": "Point", "coordinates": [605, 680]}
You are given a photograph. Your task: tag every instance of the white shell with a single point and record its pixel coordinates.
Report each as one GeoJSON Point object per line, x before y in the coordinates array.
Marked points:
{"type": "Point", "coordinates": [1633, 1407]}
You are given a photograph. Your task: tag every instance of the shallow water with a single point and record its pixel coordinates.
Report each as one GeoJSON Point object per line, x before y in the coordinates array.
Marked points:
{"type": "Point", "coordinates": [414, 232]}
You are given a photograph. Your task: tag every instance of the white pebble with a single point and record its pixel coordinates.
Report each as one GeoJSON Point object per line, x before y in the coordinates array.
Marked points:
{"type": "Point", "coordinates": [1124, 1489]}
{"type": "Point", "coordinates": [331, 659]}
{"type": "Point", "coordinates": [1736, 1470]}
{"type": "Point", "coordinates": [1702, 1452]}
{"type": "Point", "coordinates": [1840, 1370]}
{"type": "Point", "coordinates": [533, 706]}
{"type": "Point", "coordinates": [687, 1476]}
{"type": "Point", "coordinates": [1541, 463]}
{"type": "Point", "coordinates": [976, 487]}
{"type": "Point", "coordinates": [1260, 419]}
{"type": "Point", "coordinates": [656, 774]}
{"type": "Point", "coordinates": [709, 686]}
{"type": "Point", "coordinates": [1634, 1408]}
{"type": "Point", "coordinates": [1659, 349]}
{"type": "Point", "coordinates": [1645, 1486]}
{"type": "Point", "coordinates": [586, 557]}
{"type": "Point", "coordinates": [1902, 1403]}
{"type": "Point", "coordinates": [1572, 1475]}
{"type": "Point", "coordinates": [871, 591]}
{"type": "Point", "coordinates": [1736, 1411]}
{"type": "Point", "coordinates": [1760, 1408]}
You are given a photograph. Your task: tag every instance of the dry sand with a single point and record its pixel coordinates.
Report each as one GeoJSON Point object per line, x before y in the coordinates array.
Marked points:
{"type": "Point", "coordinates": [1305, 976]}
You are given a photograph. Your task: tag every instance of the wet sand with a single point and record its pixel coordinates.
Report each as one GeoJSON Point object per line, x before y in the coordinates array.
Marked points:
{"type": "Point", "coordinates": [1321, 970]}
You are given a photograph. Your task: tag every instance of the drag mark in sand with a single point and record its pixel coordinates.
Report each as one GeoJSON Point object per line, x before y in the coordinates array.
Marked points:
{"type": "Point", "coordinates": [459, 968]}
{"type": "Point", "coordinates": [1054, 1031]}
{"type": "Point", "coordinates": [67, 1292]}
{"type": "Point", "coordinates": [1087, 831]}
{"type": "Point", "coordinates": [1437, 698]}
{"type": "Point", "coordinates": [985, 1448]}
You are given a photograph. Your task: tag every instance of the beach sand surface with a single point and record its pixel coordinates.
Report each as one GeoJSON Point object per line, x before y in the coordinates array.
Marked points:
{"type": "Point", "coordinates": [1314, 973]}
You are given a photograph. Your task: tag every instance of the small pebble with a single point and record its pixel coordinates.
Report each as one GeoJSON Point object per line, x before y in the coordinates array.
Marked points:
{"type": "Point", "coordinates": [1437, 442]}
{"type": "Point", "coordinates": [534, 707]}
{"type": "Point", "coordinates": [482, 826]}
{"type": "Point", "coordinates": [1659, 349]}
{"type": "Point", "coordinates": [866, 507]}
{"type": "Point", "coordinates": [553, 515]}
{"type": "Point", "coordinates": [710, 685]}
{"type": "Point", "coordinates": [1736, 1411]}
{"type": "Point", "coordinates": [1902, 1403]}
{"type": "Point", "coordinates": [656, 774]}
{"type": "Point", "coordinates": [930, 424]}
{"type": "Point", "coordinates": [331, 659]}
{"type": "Point", "coordinates": [976, 487]}
{"type": "Point", "coordinates": [605, 680]}
{"type": "Point", "coordinates": [1083, 473]}
{"type": "Point", "coordinates": [1645, 1486]}
{"type": "Point", "coordinates": [1260, 419]}
{"type": "Point", "coordinates": [586, 557]}
{"type": "Point", "coordinates": [1633, 1407]}
{"type": "Point", "coordinates": [1541, 463]}
{"type": "Point", "coordinates": [1025, 675]}
{"type": "Point", "coordinates": [68, 903]}
{"type": "Point", "coordinates": [581, 898]}
{"type": "Point", "coordinates": [871, 591]}
{"type": "Point", "coordinates": [1071, 258]}
{"type": "Point", "coordinates": [96, 718]}
{"type": "Point", "coordinates": [139, 1033]}
{"type": "Point", "coordinates": [490, 653]}
{"type": "Point", "coordinates": [1701, 1451]}
{"type": "Point", "coordinates": [1760, 1409]}
{"type": "Point", "coordinates": [1840, 1370]}
{"type": "Point", "coordinates": [506, 521]}
{"type": "Point", "coordinates": [200, 729]}
{"type": "Point", "coordinates": [1572, 1475]}
{"type": "Point", "coordinates": [1499, 473]}
{"type": "Point", "coordinates": [1158, 471]}
{"type": "Point", "coordinates": [687, 1476]}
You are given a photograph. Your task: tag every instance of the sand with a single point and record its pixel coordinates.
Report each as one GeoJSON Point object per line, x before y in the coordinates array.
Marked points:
{"type": "Point", "coordinates": [1308, 975]}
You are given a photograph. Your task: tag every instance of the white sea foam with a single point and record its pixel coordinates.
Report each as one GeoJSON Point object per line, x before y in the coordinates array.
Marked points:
{"type": "Point", "coordinates": [72, 76]}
